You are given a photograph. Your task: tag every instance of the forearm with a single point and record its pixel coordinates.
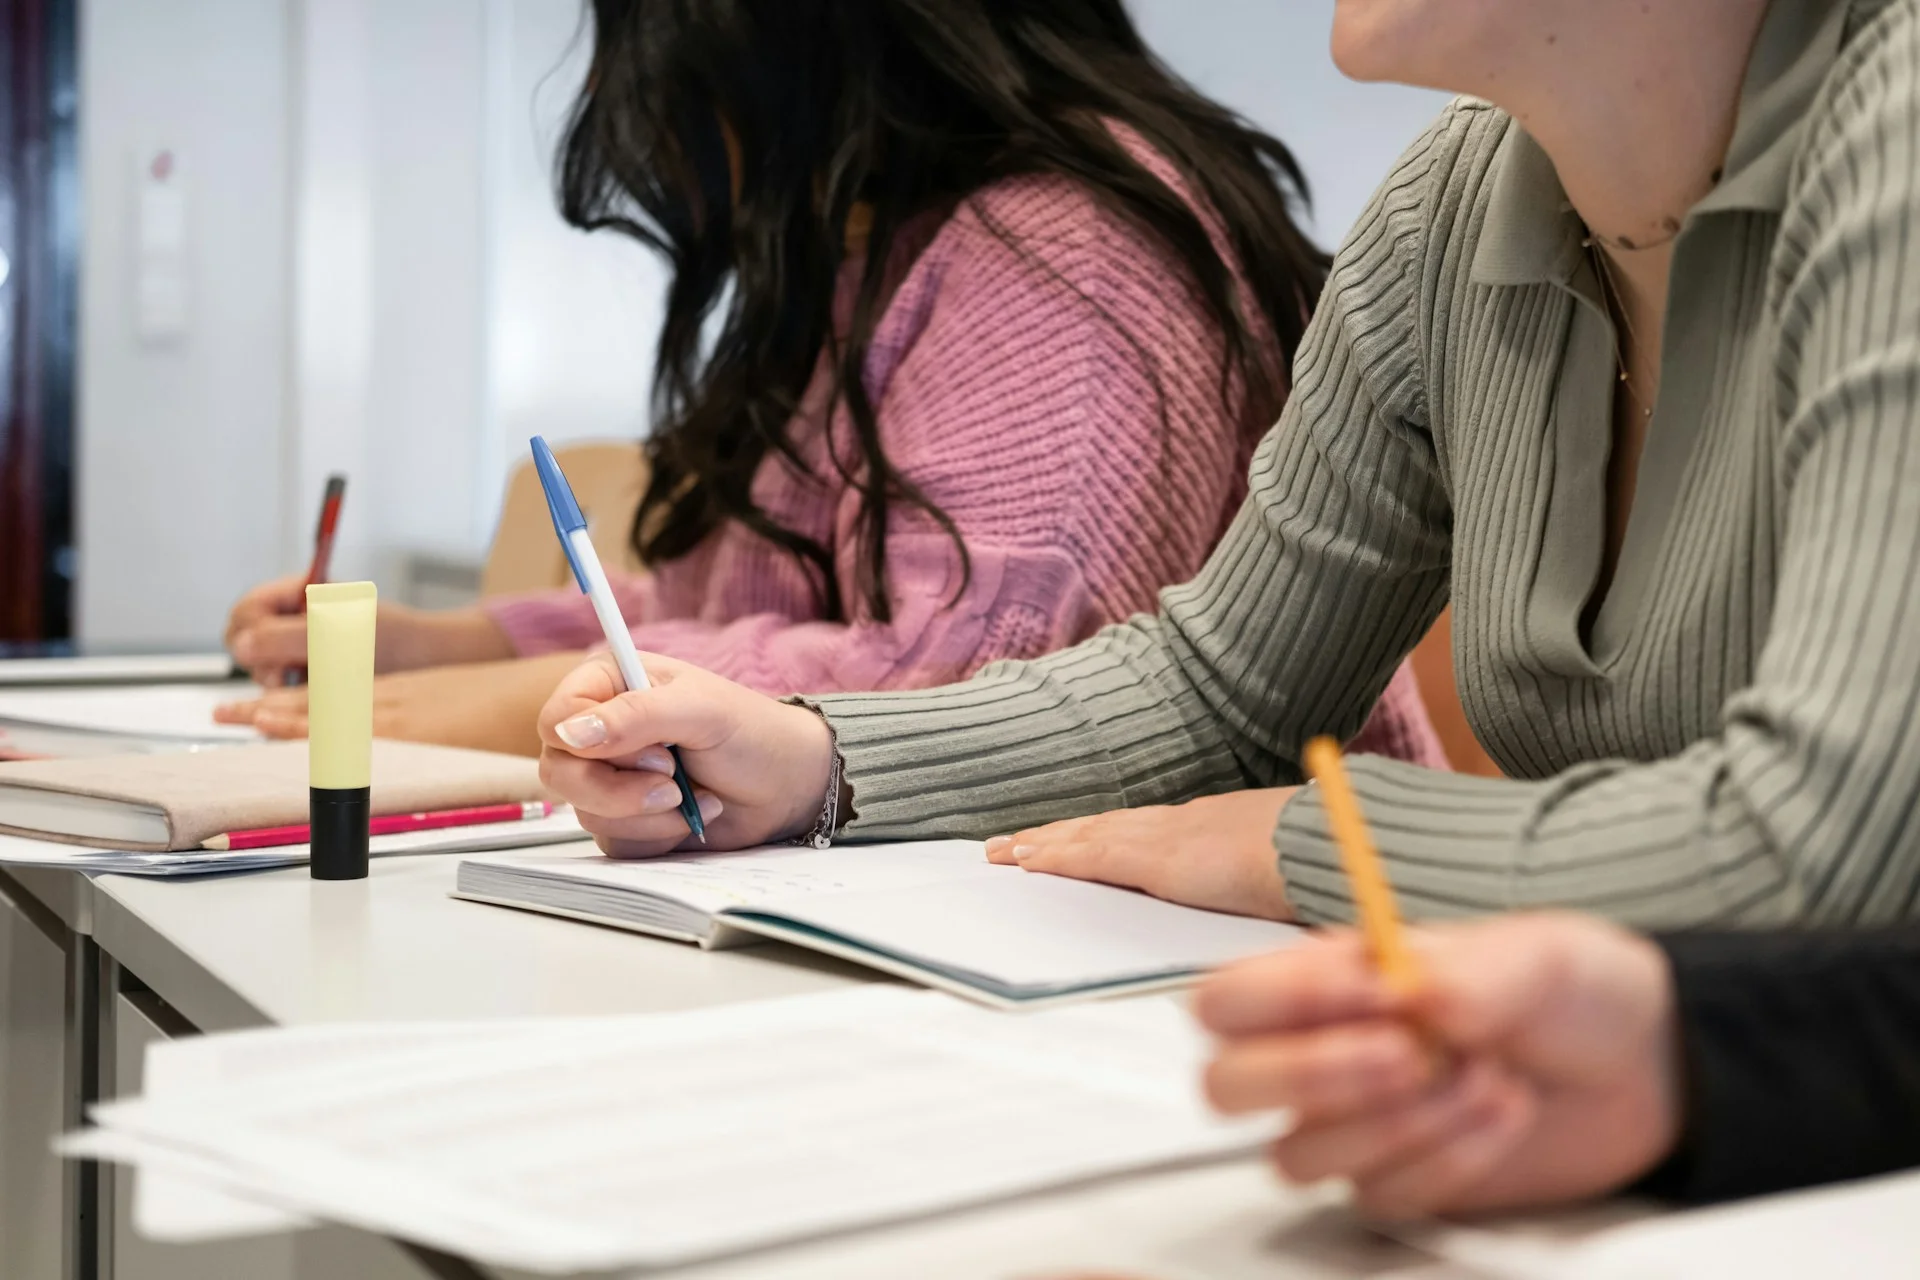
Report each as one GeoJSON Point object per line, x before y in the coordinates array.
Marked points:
{"type": "Point", "coordinates": [1108, 724]}
{"type": "Point", "coordinates": [467, 636]}
{"type": "Point", "coordinates": [539, 622]}
{"type": "Point", "coordinates": [1801, 1060]}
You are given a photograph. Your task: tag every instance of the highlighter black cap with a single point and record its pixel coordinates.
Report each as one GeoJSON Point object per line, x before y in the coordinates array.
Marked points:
{"type": "Point", "coordinates": [341, 820]}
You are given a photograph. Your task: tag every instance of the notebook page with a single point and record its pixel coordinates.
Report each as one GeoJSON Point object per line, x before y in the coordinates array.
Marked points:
{"type": "Point", "coordinates": [182, 712]}
{"type": "Point", "coordinates": [1022, 933]}
{"type": "Point", "coordinates": [688, 1135]}
{"type": "Point", "coordinates": [767, 877]}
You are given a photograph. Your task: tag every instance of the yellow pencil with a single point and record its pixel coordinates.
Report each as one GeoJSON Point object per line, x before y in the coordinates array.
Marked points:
{"type": "Point", "coordinates": [1379, 918]}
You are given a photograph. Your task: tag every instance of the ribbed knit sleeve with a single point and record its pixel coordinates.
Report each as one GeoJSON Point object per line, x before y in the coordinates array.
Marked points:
{"type": "Point", "coordinates": [1330, 573]}
{"type": "Point", "coordinates": [1802, 807]}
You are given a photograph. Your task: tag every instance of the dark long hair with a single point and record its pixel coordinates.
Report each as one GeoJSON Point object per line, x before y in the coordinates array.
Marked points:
{"type": "Point", "coordinates": [899, 107]}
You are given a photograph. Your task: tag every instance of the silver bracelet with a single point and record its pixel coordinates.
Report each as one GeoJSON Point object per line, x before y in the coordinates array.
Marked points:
{"type": "Point", "coordinates": [824, 830]}
{"type": "Point", "coordinates": [828, 824]}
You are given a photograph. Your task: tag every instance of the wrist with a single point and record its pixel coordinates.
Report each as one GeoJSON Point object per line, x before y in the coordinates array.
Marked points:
{"type": "Point", "coordinates": [445, 638]}
{"type": "Point", "coordinates": [815, 813]}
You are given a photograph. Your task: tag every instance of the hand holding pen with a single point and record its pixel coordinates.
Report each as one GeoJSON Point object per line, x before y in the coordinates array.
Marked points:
{"type": "Point", "coordinates": [1525, 1059]}
{"type": "Point", "coordinates": [760, 767]}
{"type": "Point", "coordinates": [570, 524]}
{"type": "Point", "coordinates": [266, 633]}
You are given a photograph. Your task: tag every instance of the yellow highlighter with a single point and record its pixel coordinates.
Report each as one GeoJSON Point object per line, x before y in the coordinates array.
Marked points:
{"type": "Point", "coordinates": [1379, 918]}
{"type": "Point", "coordinates": [340, 624]}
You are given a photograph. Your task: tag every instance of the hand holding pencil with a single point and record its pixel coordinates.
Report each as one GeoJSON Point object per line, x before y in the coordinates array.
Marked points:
{"type": "Point", "coordinates": [1557, 1076]}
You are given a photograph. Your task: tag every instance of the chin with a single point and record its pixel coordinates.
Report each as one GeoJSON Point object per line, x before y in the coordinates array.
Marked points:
{"type": "Point", "coordinates": [1367, 39]}
{"type": "Point", "coordinates": [1436, 44]}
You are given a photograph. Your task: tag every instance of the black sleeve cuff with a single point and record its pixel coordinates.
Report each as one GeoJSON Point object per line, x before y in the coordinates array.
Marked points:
{"type": "Point", "coordinates": [1801, 1055]}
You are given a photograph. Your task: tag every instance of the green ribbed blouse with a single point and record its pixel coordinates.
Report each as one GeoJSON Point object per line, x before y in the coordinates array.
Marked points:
{"type": "Point", "coordinates": [1737, 740]}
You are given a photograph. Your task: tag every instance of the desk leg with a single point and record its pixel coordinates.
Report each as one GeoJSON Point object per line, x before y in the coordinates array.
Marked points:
{"type": "Point", "coordinates": [442, 1266]}
{"type": "Point", "coordinates": [90, 976]}
{"type": "Point", "coordinates": [35, 1075]}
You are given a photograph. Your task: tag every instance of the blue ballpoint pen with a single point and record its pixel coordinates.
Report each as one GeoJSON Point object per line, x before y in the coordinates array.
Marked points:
{"type": "Point", "coordinates": [571, 525]}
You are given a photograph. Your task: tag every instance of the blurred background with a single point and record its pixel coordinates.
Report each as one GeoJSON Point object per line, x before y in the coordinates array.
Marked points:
{"type": "Point", "coordinates": [246, 243]}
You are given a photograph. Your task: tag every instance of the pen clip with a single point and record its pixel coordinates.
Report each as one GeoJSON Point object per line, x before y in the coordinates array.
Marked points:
{"type": "Point", "coordinates": [561, 505]}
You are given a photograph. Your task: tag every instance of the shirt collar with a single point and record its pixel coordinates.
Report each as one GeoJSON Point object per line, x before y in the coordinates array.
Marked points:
{"type": "Point", "coordinates": [1531, 233]}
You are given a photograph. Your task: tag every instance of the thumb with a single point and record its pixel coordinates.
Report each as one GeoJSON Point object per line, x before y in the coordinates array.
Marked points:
{"type": "Point", "coordinates": [677, 713]}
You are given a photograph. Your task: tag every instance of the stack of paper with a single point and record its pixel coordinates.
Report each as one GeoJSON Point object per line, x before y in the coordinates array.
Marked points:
{"type": "Point", "coordinates": [661, 1139]}
{"type": "Point", "coordinates": [170, 668]}
{"type": "Point", "coordinates": [19, 851]}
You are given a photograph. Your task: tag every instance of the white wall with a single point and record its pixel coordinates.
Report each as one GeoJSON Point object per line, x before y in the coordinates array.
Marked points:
{"type": "Point", "coordinates": [390, 337]}
{"type": "Point", "coordinates": [1268, 60]}
{"type": "Point", "coordinates": [180, 445]}
{"type": "Point", "coordinates": [573, 318]}
{"type": "Point", "coordinates": [381, 283]}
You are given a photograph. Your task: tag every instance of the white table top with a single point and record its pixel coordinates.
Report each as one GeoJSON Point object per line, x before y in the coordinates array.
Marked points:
{"type": "Point", "coordinates": [68, 894]}
{"type": "Point", "coordinates": [1225, 1222]}
{"type": "Point", "coordinates": [278, 947]}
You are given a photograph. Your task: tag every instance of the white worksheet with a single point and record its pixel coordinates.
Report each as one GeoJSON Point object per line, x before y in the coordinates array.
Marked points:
{"type": "Point", "coordinates": [661, 1139]}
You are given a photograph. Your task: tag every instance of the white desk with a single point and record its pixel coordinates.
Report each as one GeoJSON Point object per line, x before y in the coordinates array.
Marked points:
{"type": "Point", "coordinates": [278, 948]}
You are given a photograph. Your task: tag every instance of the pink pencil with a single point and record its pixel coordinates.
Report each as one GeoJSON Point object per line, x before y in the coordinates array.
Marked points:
{"type": "Point", "coordinates": [392, 824]}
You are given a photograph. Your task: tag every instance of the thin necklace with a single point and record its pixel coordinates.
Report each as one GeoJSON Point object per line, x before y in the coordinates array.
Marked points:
{"type": "Point", "coordinates": [1616, 303]}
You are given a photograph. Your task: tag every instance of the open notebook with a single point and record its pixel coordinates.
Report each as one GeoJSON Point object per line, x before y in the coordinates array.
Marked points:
{"type": "Point", "coordinates": [936, 912]}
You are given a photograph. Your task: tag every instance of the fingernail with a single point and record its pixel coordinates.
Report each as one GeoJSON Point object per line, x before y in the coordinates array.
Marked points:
{"type": "Point", "coordinates": [998, 844]}
{"type": "Point", "coordinates": [1021, 852]}
{"type": "Point", "coordinates": [663, 797]}
{"type": "Point", "coordinates": [583, 731]}
{"type": "Point", "coordinates": [710, 807]}
{"type": "Point", "coordinates": [653, 760]}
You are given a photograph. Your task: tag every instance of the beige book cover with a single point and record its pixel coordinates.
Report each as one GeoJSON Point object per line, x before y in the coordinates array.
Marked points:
{"type": "Point", "coordinates": [163, 803]}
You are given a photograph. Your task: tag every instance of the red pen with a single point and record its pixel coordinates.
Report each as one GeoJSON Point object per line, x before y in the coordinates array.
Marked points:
{"type": "Point", "coordinates": [330, 502]}
{"type": "Point", "coordinates": [392, 824]}
{"type": "Point", "coordinates": [329, 524]}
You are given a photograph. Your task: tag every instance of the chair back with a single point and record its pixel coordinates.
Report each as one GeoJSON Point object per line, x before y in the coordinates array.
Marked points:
{"type": "Point", "coordinates": [608, 478]}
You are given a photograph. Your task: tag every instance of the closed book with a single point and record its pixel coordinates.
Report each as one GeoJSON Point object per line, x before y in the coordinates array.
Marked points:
{"type": "Point", "coordinates": [161, 803]}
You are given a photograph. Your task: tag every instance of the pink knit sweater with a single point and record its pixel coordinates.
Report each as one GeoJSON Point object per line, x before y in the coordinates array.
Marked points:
{"type": "Point", "coordinates": [1048, 376]}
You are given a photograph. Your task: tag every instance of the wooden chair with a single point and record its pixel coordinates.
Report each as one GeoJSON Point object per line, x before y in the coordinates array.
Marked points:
{"type": "Point", "coordinates": [1433, 668]}
{"type": "Point", "coordinates": [607, 477]}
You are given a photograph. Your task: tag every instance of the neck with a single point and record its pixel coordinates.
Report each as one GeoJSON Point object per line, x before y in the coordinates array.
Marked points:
{"type": "Point", "coordinates": [1636, 117]}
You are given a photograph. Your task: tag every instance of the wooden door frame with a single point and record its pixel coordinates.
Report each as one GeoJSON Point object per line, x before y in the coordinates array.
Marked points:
{"type": "Point", "coordinates": [39, 233]}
